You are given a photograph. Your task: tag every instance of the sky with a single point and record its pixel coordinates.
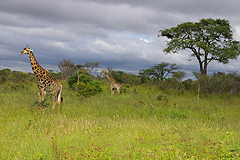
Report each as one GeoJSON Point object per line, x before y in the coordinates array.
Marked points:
{"type": "Point", "coordinates": [121, 34]}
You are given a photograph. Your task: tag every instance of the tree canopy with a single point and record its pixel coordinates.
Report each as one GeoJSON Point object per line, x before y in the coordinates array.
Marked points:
{"type": "Point", "coordinates": [67, 67]}
{"type": "Point", "coordinates": [209, 40]}
{"type": "Point", "coordinates": [160, 71]}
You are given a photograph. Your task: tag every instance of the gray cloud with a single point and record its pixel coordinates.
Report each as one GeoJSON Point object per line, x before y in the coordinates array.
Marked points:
{"type": "Point", "coordinates": [121, 34]}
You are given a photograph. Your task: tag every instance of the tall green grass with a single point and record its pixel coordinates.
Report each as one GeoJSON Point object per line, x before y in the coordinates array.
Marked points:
{"type": "Point", "coordinates": [142, 123]}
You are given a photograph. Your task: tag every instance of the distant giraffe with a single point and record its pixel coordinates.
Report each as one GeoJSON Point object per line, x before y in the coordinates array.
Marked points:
{"type": "Point", "coordinates": [45, 80]}
{"type": "Point", "coordinates": [113, 84]}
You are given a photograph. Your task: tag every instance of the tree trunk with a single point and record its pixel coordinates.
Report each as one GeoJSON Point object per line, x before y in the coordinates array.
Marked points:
{"type": "Point", "coordinates": [77, 86]}
{"type": "Point", "coordinates": [203, 70]}
{"type": "Point", "coordinates": [198, 88]}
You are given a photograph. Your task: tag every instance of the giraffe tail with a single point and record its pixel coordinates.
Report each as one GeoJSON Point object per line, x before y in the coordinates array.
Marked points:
{"type": "Point", "coordinates": [60, 95]}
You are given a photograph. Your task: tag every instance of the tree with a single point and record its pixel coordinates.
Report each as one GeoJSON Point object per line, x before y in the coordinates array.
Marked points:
{"type": "Point", "coordinates": [87, 65]}
{"type": "Point", "coordinates": [92, 67]}
{"type": "Point", "coordinates": [54, 74]}
{"type": "Point", "coordinates": [78, 67]}
{"type": "Point", "coordinates": [143, 77]}
{"type": "Point", "coordinates": [131, 79]}
{"type": "Point", "coordinates": [82, 84]}
{"type": "Point", "coordinates": [67, 68]}
{"type": "Point", "coordinates": [81, 76]}
{"type": "Point", "coordinates": [18, 77]}
{"type": "Point", "coordinates": [118, 76]}
{"type": "Point", "coordinates": [4, 74]}
{"type": "Point", "coordinates": [209, 40]}
{"type": "Point", "coordinates": [161, 71]}
{"type": "Point", "coordinates": [178, 77]}
{"type": "Point", "coordinates": [110, 71]}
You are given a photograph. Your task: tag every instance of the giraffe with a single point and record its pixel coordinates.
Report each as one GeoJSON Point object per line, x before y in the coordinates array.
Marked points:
{"type": "Point", "coordinates": [45, 80]}
{"type": "Point", "coordinates": [113, 84]}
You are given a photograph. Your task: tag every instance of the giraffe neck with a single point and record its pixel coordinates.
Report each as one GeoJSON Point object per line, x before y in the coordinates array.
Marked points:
{"type": "Point", "coordinates": [37, 69]}
{"type": "Point", "coordinates": [109, 78]}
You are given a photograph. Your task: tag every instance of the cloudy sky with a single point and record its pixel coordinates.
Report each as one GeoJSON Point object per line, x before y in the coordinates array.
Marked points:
{"type": "Point", "coordinates": [116, 33]}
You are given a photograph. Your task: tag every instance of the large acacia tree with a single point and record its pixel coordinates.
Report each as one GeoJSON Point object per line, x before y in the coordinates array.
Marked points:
{"type": "Point", "coordinates": [209, 40]}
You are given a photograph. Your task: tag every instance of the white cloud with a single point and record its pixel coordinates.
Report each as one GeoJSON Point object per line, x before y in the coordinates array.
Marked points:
{"type": "Point", "coordinates": [59, 45]}
{"type": "Point", "coordinates": [236, 35]}
{"type": "Point", "coordinates": [145, 40]}
{"type": "Point", "coordinates": [102, 47]}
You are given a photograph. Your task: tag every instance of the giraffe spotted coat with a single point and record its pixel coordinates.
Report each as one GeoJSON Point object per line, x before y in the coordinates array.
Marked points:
{"type": "Point", "coordinates": [113, 84]}
{"type": "Point", "coordinates": [45, 80]}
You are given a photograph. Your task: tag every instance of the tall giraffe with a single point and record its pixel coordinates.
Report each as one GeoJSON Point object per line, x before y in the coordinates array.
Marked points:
{"type": "Point", "coordinates": [45, 80]}
{"type": "Point", "coordinates": [113, 84]}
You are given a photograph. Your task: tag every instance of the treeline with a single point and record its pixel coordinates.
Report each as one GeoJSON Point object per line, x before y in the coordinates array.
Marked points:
{"type": "Point", "coordinates": [86, 80]}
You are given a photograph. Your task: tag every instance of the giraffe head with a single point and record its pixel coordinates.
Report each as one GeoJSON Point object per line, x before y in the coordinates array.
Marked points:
{"type": "Point", "coordinates": [105, 71]}
{"type": "Point", "coordinates": [26, 50]}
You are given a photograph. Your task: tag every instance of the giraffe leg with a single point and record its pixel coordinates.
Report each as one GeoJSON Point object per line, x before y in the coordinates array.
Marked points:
{"type": "Point", "coordinates": [54, 101]}
{"type": "Point", "coordinates": [54, 104]}
{"type": "Point", "coordinates": [40, 98]}
{"type": "Point", "coordinates": [56, 98]}
{"type": "Point", "coordinates": [112, 91]}
{"type": "Point", "coordinates": [118, 90]}
{"type": "Point", "coordinates": [56, 95]}
{"type": "Point", "coordinates": [59, 95]}
{"type": "Point", "coordinates": [41, 95]}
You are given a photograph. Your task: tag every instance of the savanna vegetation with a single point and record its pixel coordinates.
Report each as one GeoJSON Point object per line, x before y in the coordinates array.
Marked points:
{"type": "Point", "coordinates": [158, 114]}
{"type": "Point", "coordinates": [152, 120]}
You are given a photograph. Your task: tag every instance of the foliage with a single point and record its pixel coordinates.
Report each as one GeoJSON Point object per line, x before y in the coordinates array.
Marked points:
{"type": "Point", "coordinates": [78, 67]}
{"type": "Point", "coordinates": [89, 89]}
{"type": "Point", "coordinates": [178, 77]}
{"type": "Point", "coordinates": [209, 40]}
{"type": "Point", "coordinates": [124, 78]}
{"type": "Point", "coordinates": [4, 75]}
{"type": "Point", "coordinates": [17, 77]}
{"type": "Point", "coordinates": [118, 76]}
{"type": "Point", "coordinates": [160, 71]}
{"type": "Point", "coordinates": [66, 67]}
{"type": "Point", "coordinates": [84, 86]}
{"type": "Point", "coordinates": [219, 83]}
{"type": "Point", "coordinates": [92, 67]}
{"type": "Point", "coordinates": [44, 103]}
{"type": "Point", "coordinates": [14, 86]}
{"type": "Point", "coordinates": [83, 77]}
{"type": "Point", "coordinates": [143, 77]}
{"type": "Point", "coordinates": [54, 74]}
{"type": "Point", "coordinates": [130, 79]}
{"type": "Point", "coordinates": [124, 88]}
{"type": "Point", "coordinates": [190, 85]}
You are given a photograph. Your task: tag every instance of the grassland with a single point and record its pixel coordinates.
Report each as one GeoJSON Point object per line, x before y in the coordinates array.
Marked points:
{"type": "Point", "coordinates": [143, 123]}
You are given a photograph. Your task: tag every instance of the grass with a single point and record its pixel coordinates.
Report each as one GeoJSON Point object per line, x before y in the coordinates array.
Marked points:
{"type": "Point", "coordinates": [134, 125]}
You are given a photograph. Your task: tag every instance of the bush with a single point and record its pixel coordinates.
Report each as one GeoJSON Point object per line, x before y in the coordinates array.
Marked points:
{"type": "Point", "coordinates": [87, 90]}
{"type": "Point", "coordinates": [83, 77]}
{"type": "Point", "coordinates": [84, 87]}
{"type": "Point", "coordinates": [189, 84]}
{"type": "Point", "coordinates": [219, 84]}
{"type": "Point", "coordinates": [124, 88]}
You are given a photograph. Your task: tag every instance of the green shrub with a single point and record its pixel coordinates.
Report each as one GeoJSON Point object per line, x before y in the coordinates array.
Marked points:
{"type": "Point", "coordinates": [83, 77]}
{"type": "Point", "coordinates": [87, 90]}
{"type": "Point", "coordinates": [84, 87]}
